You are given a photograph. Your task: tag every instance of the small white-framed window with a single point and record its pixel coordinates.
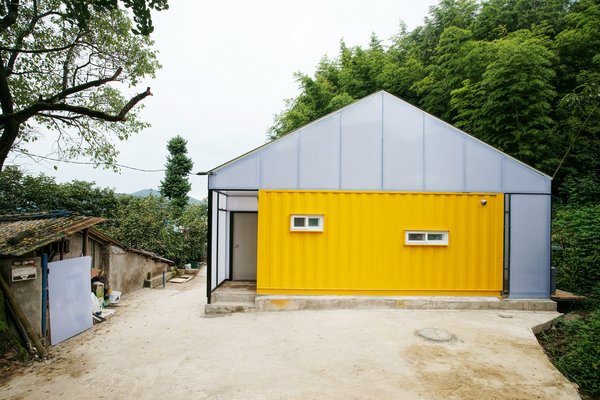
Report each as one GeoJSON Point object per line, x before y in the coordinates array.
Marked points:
{"type": "Point", "coordinates": [428, 238]}
{"type": "Point", "coordinates": [312, 223]}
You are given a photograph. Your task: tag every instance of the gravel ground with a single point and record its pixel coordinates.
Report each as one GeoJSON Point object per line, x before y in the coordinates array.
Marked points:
{"type": "Point", "coordinates": [159, 345]}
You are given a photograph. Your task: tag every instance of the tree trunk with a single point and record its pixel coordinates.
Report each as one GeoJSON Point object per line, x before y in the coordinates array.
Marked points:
{"type": "Point", "coordinates": [7, 139]}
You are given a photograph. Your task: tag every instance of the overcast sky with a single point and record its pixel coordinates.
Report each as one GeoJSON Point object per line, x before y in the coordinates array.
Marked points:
{"type": "Point", "coordinates": [227, 69]}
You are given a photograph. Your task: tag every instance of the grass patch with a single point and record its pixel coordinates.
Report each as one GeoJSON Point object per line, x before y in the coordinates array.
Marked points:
{"type": "Point", "coordinates": [573, 345]}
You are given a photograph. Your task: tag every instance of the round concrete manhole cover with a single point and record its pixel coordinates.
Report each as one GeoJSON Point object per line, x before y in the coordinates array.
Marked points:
{"type": "Point", "coordinates": [435, 335]}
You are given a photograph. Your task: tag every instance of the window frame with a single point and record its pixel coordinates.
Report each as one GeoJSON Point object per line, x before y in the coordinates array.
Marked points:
{"type": "Point", "coordinates": [306, 227]}
{"type": "Point", "coordinates": [427, 241]}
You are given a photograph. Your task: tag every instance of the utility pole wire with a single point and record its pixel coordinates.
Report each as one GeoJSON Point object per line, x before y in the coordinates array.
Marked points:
{"type": "Point", "coordinates": [87, 163]}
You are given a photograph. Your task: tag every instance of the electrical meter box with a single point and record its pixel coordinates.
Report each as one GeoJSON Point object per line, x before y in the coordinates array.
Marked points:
{"type": "Point", "coordinates": [24, 270]}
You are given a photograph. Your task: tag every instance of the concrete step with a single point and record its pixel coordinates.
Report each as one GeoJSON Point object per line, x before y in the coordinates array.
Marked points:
{"type": "Point", "coordinates": [157, 280]}
{"type": "Point", "coordinates": [228, 307]}
{"type": "Point", "coordinates": [230, 296]}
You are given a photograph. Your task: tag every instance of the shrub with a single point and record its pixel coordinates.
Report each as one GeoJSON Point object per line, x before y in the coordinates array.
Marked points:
{"type": "Point", "coordinates": [580, 361]}
{"type": "Point", "coordinates": [575, 230]}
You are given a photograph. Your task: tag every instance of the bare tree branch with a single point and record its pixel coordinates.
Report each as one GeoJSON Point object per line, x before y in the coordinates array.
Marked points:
{"type": "Point", "coordinates": [84, 86]}
{"type": "Point", "coordinates": [38, 108]}
{"type": "Point", "coordinates": [39, 51]}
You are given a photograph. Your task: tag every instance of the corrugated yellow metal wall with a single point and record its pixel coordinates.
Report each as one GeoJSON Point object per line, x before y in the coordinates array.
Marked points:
{"type": "Point", "coordinates": [362, 250]}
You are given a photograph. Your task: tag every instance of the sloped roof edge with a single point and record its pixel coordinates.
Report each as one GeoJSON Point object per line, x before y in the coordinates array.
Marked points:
{"type": "Point", "coordinates": [24, 236]}
{"type": "Point", "coordinates": [381, 92]}
{"type": "Point", "coordinates": [110, 239]}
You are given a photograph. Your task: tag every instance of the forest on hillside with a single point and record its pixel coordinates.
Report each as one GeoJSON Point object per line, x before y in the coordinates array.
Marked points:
{"type": "Point", "coordinates": [521, 75]}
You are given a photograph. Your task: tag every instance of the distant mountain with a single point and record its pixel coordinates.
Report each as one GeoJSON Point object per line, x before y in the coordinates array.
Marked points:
{"type": "Point", "coordinates": [153, 192]}
{"type": "Point", "coordinates": [146, 193]}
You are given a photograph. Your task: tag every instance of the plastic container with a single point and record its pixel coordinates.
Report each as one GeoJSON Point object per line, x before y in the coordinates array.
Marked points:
{"type": "Point", "coordinates": [98, 290]}
{"type": "Point", "coordinates": [114, 297]}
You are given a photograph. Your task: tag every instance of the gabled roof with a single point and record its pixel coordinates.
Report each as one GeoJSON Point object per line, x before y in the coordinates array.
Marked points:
{"type": "Point", "coordinates": [379, 143]}
{"type": "Point", "coordinates": [23, 233]}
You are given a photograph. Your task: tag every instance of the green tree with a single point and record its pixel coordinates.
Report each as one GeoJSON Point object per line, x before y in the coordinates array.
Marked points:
{"type": "Point", "coordinates": [500, 17]}
{"type": "Point", "coordinates": [176, 185]}
{"type": "Point", "coordinates": [194, 227]}
{"type": "Point", "coordinates": [63, 65]}
{"type": "Point", "coordinates": [24, 193]}
{"type": "Point", "coordinates": [510, 106]}
{"type": "Point", "coordinates": [142, 223]}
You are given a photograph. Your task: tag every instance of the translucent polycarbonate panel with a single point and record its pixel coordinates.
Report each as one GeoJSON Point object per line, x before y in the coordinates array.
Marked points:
{"type": "Point", "coordinates": [361, 145]}
{"type": "Point", "coordinates": [69, 298]}
{"type": "Point", "coordinates": [444, 157]}
{"type": "Point", "coordinates": [420, 153]}
{"type": "Point", "coordinates": [279, 164]}
{"type": "Point", "coordinates": [483, 168]}
{"type": "Point", "coordinates": [402, 145]}
{"type": "Point", "coordinates": [242, 203]}
{"type": "Point", "coordinates": [520, 179]}
{"type": "Point", "coordinates": [241, 174]}
{"type": "Point", "coordinates": [214, 241]}
{"type": "Point", "coordinates": [319, 160]}
{"type": "Point", "coordinates": [529, 246]}
{"type": "Point", "coordinates": [222, 202]}
{"type": "Point", "coordinates": [222, 264]}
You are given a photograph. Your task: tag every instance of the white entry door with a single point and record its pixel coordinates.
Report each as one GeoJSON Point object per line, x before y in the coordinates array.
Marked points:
{"type": "Point", "coordinates": [69, 298]}
{"type": "Point", "coordinates": [245, 231]}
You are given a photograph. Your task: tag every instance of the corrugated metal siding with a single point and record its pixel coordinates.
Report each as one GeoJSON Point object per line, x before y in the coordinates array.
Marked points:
{"type": "Point", "coordinates": [362, 250]}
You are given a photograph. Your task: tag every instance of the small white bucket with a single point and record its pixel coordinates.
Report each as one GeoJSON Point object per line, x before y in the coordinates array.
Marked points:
{"type": "Point", "coordinates": [114, 297]}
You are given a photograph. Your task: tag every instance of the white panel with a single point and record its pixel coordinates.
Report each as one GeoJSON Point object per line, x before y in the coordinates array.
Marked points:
{"type": "Point", "coordinates": [242, 203]}
{"type": "Point", "coordinates": [69, 298]}
{"type": "Point", "coordinates": [520, 179]}
{"type": "Point", "coordinates": [402, 145]}
{"type": "Point", "coordinates": [483, 168]}
{"type": "Point", "coordinates": [444, 157]}
{"type": "Point", "coordinates": [279, 164]}
{"type": "Point", "coordinates": [361, 145]}
{"type": "Point", "coordinates": [227, 245]}
{"type": "Point", "coordinates": [214, 241]}
{"type": "Point", "coordinates": [320, 154]}
{"type": "Point", "coordinates": [241, 174]}
{"type": "Point", "coordinates": [222, 202]}
{"type": "Point", "coordinates": [222, 265]}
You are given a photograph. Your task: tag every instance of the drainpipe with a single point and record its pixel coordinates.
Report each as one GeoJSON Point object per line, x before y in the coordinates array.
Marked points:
{"type": "Point", "coordinates": [44, 291]}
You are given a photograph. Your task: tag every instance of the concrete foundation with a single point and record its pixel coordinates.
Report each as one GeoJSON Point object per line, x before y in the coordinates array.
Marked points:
{"type": "Point", "coordinates": [240, 296]}
{"type": "Point", "coordinates": [287, 303]}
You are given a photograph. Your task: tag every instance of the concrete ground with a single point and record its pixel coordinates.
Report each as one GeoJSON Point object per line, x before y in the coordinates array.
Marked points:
{"type": "Point", "coordinates": [159, 345]}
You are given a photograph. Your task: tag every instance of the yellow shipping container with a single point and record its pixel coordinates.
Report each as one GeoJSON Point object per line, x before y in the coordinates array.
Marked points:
{"type": "Point", "coordinates": [362, 247]}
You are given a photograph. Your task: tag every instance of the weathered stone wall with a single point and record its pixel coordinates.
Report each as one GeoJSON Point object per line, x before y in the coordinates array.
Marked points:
{"type": "Point", "coordinates": [28, 293]}
{"type": "Point", "coordinates": [129, 270]}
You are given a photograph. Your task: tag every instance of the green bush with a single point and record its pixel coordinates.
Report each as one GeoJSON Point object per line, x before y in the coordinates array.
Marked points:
{"type": "Point", "coordinates": [575, 231]}
{"type": "Point", "coordinates": [580, 361]}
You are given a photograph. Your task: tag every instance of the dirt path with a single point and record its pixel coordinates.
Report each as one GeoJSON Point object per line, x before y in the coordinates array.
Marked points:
{"type": "Point", "coordinates": [160, 346]}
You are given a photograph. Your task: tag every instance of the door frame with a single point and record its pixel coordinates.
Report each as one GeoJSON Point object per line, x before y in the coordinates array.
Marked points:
{"type": "Point", "coordinates": [231, 218]}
